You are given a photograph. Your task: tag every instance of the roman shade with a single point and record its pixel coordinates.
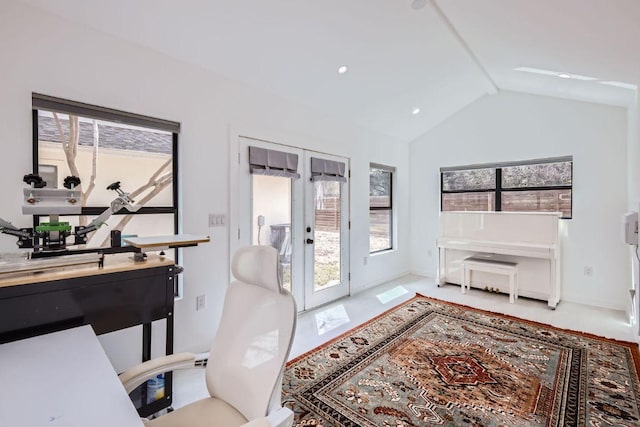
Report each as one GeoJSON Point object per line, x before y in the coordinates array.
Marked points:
{"type": "Point", "coordinates": [273, 163]}
{"type": "Point", "coordinates": [327, 170]}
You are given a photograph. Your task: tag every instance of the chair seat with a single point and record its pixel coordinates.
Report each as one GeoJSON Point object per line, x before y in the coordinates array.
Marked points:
{"type": "Point", "coordinates": [209, 412]}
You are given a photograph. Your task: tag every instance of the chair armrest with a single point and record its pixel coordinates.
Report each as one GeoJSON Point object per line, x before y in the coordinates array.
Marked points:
{"type": "Point", "coordinates": [282, 417]}
{"type": "Point", "coordinates": [133, 377]}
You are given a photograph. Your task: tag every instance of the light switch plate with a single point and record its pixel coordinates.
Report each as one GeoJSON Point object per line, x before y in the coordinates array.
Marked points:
{"type": "Point", "coordinates": [201, 302]}
{"type": "Point", "coordinates": [217, 220]}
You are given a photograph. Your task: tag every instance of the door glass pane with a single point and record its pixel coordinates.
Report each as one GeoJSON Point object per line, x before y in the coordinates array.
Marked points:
{"type": "Point", "coordinates": [271, 219]}
{"type": "Point", "coordinates": [327, 234]}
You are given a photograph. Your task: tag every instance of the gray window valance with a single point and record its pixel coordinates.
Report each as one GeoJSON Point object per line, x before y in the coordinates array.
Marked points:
{"type": "Point", "coordinates": [327, 170]}
{"type": "Point", "coordinates": [273, 163]}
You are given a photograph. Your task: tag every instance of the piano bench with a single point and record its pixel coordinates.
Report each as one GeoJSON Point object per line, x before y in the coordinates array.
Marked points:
{"type": "Point", "coordinates": [491, 266]}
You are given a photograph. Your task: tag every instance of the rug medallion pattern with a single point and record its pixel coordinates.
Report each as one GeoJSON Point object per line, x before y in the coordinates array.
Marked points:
{"type": "Point", "coordinates": [432, 363]}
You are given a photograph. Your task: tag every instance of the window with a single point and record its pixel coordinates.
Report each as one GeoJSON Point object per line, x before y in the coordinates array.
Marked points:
{"type": "Point", "coordinates": [103, 146]}
{"type": "Point", "coordinates": [542, 185]}
{"type": "Point", "coordinates": [380, 208]}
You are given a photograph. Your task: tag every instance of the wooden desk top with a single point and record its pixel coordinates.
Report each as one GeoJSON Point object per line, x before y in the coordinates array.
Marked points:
{"type": "Point", "coordinates": [113, 263]}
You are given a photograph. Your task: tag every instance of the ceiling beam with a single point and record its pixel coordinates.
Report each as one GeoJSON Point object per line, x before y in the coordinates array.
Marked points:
{"type": "Point", "coordinates": [492, 88]}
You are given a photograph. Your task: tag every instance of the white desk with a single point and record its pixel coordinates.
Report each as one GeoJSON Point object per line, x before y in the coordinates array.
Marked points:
{"type": "Point", "coordinates": [62, 379]}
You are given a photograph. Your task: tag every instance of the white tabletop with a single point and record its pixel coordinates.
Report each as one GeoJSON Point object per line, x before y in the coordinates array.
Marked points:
{"type": "Point", "coordinates": [171, 241]}
{"type": "Point", "coordinates": [61, 379]}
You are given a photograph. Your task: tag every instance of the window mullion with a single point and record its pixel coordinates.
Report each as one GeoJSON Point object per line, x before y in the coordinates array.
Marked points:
{"type": "Point", "coordinates": [441, 191]}
{"type": "Point", "coordinates": [498, 201]}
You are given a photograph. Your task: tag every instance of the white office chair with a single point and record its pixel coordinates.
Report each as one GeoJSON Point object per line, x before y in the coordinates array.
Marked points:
{"type": "Point", "coordinates": [248, 355]}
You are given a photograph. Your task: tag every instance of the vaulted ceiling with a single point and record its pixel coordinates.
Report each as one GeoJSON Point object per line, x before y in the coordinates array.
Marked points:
{"type": "Point", "coordinates": [435, 55]}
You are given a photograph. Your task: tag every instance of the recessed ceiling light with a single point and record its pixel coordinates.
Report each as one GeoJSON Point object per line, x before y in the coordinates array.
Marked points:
{"type": "Point", "coordinates": [342, 69]}
{"type": "Point", "coordinates": [564, 75]}
{"type": "Point", "coordinates": [416, 111]}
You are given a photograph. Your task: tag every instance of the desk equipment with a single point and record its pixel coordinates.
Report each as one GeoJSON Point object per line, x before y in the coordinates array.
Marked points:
{"type": "Point", "coordinates": [49, 239]}
{"type": "Point", "coordinates": [161, 243]}
{"type": "Point", "coordinates": [530, 239]}
{"type": "Point", "coordinates": [119, 295]}
{"type": "Point", "coordinates": [52, 236]}
{"type": "Point", "coordinates": [62, 379]}
{"type": "Point", "coordinates": [16, 266]}
{"type": "Point", "coordinates": [54, 288]}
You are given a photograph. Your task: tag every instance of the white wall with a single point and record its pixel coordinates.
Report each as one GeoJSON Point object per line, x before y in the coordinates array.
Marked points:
{"type": "Point", "coordinates": [511, 126]}
{"type": "Point", "coordinates": [45, 54]}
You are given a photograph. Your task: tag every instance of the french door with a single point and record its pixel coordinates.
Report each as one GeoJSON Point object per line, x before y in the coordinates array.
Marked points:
{"type": "Point", "coordinates": [326, 231]}
{"type": "Point", "coordinates": [306, 219]}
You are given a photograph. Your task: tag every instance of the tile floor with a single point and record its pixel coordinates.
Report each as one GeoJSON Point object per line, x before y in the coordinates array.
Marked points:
{"type": "Point", "coordinates": [324, 323]}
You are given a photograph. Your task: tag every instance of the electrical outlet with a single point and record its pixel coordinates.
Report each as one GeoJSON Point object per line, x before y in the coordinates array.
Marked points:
{"type": "Point", "coordinates": [201, 302]}
{"type": "Point", "coordinates": [588, 270]}
{"type": "Point", "coordinates": [365, 261]}
{"type": "Point", "coordinates": [429, 253]}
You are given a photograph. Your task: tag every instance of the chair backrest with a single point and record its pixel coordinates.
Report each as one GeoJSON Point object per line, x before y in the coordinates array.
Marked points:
{"type": "Point", "coordinates": [254, 337]}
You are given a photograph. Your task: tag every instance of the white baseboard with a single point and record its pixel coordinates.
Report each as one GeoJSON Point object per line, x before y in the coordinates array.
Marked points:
{"type": "Point", "coordinates": [380, 281]}
{"type": "Point", "coordinates": [425, 273]}
{"type": "Point", "coordinates": [610, 305]}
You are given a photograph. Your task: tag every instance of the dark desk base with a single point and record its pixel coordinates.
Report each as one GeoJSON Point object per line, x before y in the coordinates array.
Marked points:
{"type": "Point", "coordinates": [108, 302]}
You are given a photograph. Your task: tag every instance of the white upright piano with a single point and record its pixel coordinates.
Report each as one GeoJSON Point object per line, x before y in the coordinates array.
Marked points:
{"type": "Point", "coordinates": [530, 239]}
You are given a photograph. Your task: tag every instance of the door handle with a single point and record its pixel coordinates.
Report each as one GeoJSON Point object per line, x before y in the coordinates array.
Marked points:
{"type": "Point", "coordinates": [309, 241]}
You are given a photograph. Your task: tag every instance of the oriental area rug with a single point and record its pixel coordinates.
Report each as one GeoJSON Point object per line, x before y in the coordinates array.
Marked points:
{"type": "Point", "coordinates": [432, 363]}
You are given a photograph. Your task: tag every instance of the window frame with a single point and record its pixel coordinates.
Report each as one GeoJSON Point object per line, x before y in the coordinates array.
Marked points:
{"type": "Point", "coordinates": [498, 190]}
{"type": "Point", "coordinates": [392, 171]}
{"type": "Point", "coordinates": [51, 104]}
